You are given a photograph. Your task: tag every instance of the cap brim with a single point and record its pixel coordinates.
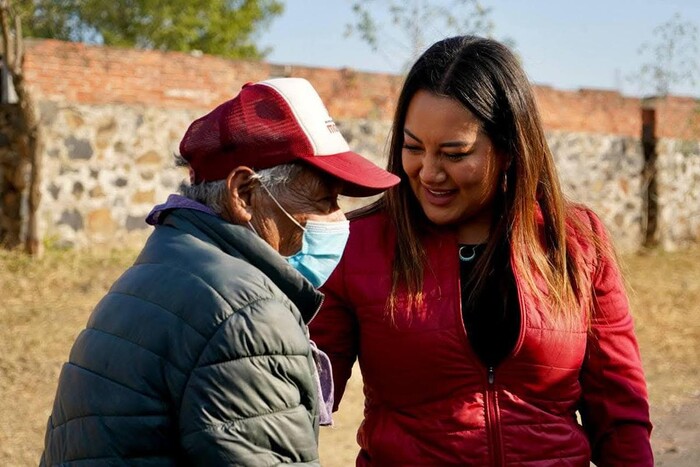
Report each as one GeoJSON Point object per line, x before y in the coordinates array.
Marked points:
{"type": "Point", "coordinates": [361, 177]}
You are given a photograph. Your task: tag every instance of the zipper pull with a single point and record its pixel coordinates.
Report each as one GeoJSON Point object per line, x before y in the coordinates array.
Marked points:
{"type": "Point", "coordinates": [492, 375]}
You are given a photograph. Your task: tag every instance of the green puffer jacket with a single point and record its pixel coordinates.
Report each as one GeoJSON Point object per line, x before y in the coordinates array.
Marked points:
{"type": "Point", "coordinates": [198, 355]}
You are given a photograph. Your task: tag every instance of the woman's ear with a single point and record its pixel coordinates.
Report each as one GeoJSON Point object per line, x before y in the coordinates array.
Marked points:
{"type": "Point", "coordinates": [239, 185]}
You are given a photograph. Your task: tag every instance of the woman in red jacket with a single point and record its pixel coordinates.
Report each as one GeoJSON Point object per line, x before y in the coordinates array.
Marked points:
{"type": "Point", "coordinates": [485, 310]}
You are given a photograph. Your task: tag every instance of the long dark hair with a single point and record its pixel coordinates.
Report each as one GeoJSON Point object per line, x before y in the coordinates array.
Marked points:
{"type": "Point", "coordinates": [486, 77]}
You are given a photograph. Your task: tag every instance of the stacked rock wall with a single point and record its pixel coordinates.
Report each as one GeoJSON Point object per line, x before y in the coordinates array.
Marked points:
{"type": "Point", "coordinates": [111, 120]}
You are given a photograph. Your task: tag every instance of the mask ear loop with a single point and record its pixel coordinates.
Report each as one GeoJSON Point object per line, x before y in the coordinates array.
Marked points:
{"type": "Point", "coordinates": [250, 225]}
{"type": "Point", "coordinates": [256, 176]}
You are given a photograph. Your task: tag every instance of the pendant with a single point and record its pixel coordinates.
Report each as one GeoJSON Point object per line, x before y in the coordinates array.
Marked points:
{"type": "Point", "coordinates": [469, 258]}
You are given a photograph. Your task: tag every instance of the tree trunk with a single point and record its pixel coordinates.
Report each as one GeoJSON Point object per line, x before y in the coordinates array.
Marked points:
{"type": "Point", "coordinates": [14, 168]}
{"type": "Point", "coordinates": [28, 135]}
{"type": "Point", "coordinates": [649, 175]}
{"type": "Point", "coordinates": [30, 145]}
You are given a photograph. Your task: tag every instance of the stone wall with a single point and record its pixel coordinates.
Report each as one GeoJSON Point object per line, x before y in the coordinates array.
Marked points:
{"type": "Point", "coordinates": [105, 167]}
{"type": "Point", "coordinates": [112, 118]}
{"type": "Point", "coordinates": [678, 184]}
{"type": "Point", "coordinates": [604, 172]}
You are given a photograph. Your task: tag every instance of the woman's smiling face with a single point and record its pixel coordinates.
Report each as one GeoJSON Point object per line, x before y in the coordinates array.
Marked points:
{"type": "Point", "coordinates": [452, 166]}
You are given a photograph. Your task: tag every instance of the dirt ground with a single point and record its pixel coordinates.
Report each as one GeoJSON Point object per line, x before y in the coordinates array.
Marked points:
{"type": "Point", "coordinates": [676, 438]}
{"type": "Point", "coordinates": [45, 303]}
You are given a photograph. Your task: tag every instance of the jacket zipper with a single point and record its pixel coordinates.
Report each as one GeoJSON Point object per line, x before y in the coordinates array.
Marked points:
{"type": "Point", "coordinates": [318, 308]}
{"type": "Point", "coordinates": [493, 420]}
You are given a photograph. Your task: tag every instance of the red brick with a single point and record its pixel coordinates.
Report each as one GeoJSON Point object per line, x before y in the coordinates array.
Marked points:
{"type": "Point", "coordinates": [92, 74]}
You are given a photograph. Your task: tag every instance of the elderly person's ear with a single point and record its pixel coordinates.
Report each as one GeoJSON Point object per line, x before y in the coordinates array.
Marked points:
{"type": "Point", "coordinates": [239, 185]}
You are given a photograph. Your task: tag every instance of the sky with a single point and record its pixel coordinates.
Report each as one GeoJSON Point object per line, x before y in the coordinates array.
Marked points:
{"type": "Point", "coordinates": [565, 44]}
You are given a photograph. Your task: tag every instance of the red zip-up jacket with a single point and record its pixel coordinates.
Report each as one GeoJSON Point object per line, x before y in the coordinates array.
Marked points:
{"type": "Point", "coordinates": [430, 401]}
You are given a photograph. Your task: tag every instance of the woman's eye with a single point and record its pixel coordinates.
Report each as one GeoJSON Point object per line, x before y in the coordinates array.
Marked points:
{"type": "Point", "coordinates": [455, 156]}
{"type": "Point", "coordinates": [413, 149]}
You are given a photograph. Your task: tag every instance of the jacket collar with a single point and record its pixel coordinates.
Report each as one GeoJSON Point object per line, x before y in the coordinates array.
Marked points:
{"type": "Point", "coordinates": [239, 241]}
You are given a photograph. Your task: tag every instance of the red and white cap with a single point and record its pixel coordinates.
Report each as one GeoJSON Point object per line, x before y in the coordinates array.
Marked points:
{"type": "Point", "coordinates": [275, 122]}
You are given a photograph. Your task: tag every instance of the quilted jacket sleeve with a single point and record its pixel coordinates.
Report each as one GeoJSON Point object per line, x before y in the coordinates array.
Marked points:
{"type": "Point", "coordinates": [251, 399]}
{"type": "Point", "coordinates": [335, 332]}
{"type": "Point", "coordinates": [615, 409]}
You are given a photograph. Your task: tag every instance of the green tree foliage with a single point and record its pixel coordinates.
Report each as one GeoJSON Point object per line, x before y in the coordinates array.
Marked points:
{"type": "Point", "coordinates": [404, 28]}
{"type": "Point", "coordinates": [219, 27]}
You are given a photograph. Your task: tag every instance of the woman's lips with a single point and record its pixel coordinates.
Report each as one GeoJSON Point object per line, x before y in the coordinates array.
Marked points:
{"type": "Point", "coordinates": [438, 197]}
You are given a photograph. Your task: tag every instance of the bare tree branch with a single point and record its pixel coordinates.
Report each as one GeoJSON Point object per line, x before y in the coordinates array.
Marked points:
{"type": "Point", "coordinates": [672, 58]}
{"type": "Point", "coordinates": [19, 42]}
{"type": "Point", "coordinates": [417, 23]}
{"type": "Point", "coordinates": [5, 24]}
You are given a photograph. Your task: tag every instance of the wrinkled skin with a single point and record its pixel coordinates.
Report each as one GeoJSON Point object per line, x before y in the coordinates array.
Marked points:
{"type": "Point", "coordinates": [312, 195]}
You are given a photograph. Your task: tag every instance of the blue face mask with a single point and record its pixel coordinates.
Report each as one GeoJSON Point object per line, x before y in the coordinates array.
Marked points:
{"type": "Point", "coordinates": [322, 246]}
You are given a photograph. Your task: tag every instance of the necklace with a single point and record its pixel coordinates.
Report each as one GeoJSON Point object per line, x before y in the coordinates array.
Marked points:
{"type": "Point", "coordinates": [469, 258]}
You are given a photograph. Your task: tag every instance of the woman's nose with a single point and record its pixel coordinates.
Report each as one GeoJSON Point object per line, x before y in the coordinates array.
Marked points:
{"type": "Point", "coordinates": [431, 171]}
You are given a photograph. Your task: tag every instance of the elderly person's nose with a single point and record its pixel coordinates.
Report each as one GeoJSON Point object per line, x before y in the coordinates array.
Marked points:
{"type": "Point", "coordinates": [332, 215]}
{"type": "Point", "coordinates": [336, 216]}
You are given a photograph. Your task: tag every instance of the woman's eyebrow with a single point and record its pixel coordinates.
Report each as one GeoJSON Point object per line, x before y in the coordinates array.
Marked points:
{"type": "Point", "coordinates": [446, 144]}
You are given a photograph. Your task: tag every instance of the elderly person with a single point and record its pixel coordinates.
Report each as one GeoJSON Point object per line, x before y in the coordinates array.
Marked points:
{"type": "Point", "coordinates": [199, 354]}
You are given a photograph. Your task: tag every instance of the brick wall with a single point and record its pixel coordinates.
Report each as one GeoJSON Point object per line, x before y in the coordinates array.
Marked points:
{"type": "Point", "coordinates": [589, 111]}
{"type": "Point", "coordinates": [677, 118]}
{"type": "Point", "coordinates": [84, 74]}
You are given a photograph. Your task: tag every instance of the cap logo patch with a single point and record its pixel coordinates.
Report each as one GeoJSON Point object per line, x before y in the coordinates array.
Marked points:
{"type": "Point", "coordinates": [330, 124]}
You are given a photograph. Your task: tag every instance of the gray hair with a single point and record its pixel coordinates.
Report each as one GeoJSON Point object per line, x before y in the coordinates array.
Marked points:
{"type": "Point", "coordinates": [213, 194]}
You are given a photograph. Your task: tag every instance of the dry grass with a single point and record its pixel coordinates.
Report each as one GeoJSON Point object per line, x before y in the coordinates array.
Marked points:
{"type": "Point", "coordinates": [46, 303]}
{"type": "Point", "coordinates": [664, 291]}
